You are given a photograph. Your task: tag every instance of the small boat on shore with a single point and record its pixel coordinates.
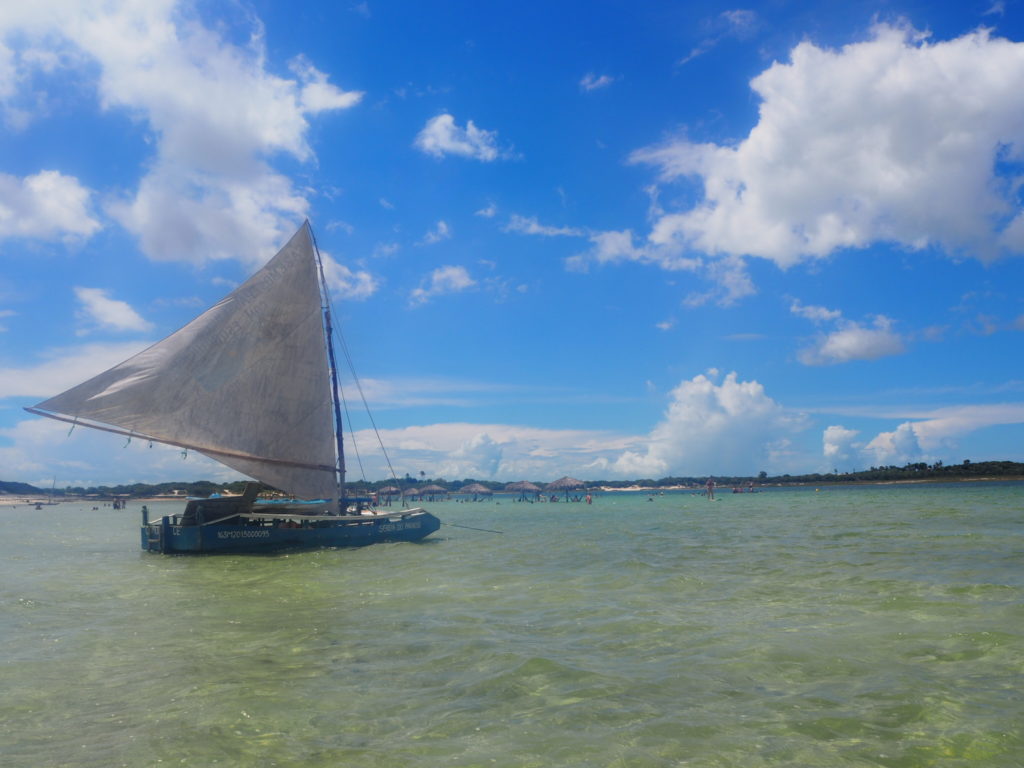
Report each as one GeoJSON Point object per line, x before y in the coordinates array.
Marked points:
{"type": "Point", "coordinates": [252, 384]}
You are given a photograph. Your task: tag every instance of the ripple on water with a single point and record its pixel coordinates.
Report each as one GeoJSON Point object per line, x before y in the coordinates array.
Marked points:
{"type": "Point", "coordinates": [843, 628]}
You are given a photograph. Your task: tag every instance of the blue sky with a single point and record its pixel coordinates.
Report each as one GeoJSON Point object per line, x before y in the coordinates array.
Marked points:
{"type": "Point", "coordinates": [603, 239]}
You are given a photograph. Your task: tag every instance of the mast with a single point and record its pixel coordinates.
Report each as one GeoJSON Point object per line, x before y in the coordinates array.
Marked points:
{"type": "Point", "coordinates": [329, 334]}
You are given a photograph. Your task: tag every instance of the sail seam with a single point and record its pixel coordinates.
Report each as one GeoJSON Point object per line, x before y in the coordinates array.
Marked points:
{"type": "Point", "coordinates": [190, 446]}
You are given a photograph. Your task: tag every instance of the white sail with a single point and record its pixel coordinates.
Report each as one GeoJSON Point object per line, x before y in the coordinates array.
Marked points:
{"type": "Point", "coordinates": [246, 383]}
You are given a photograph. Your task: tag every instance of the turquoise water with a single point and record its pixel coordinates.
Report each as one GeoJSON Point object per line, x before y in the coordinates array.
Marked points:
{"type": "Point", "coordinates": [848, 627]}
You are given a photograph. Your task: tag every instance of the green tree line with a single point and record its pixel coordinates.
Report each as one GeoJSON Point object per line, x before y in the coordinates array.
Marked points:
{"type": "Point", "coordinates": [912, 471]}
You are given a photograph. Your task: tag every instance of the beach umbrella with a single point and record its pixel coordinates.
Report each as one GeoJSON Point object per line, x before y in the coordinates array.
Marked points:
{"type": "Point", "coordinates": [428, 490]}
{"type": "Point", "coordinates": [385, 493]}
{"type": "Point", "coordinates": [477, 489]}
{"type": "Point", "coordinates": [565, 484]}
{"type": "Point", "coordinates": [523, 487]}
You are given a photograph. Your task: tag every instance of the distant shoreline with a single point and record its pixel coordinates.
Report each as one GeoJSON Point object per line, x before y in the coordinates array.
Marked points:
{"type": "Point", "coordinates": [14, 500]}
{"type": "Point", "coordinates": [828, 484]}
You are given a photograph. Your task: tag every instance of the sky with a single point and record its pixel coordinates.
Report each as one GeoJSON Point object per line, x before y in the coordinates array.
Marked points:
{"type": "Point", "coordinates": [611, 240]}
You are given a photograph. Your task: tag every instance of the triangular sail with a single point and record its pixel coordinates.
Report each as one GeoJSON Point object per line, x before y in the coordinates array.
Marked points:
{"type": "Point", "coordinates": [246, 383]}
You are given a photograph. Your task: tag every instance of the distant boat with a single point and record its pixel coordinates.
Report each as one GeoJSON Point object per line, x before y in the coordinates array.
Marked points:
{"type": "Point", "coordinates": [252, 384]}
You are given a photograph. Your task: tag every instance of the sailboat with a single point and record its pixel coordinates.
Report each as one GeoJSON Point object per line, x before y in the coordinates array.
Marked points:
{"type": "Point", "coordinates": [250, 383]}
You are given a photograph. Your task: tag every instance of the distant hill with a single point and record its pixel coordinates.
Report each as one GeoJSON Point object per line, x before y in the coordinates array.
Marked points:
{"type": "Point", "coordinates": [19, 489]}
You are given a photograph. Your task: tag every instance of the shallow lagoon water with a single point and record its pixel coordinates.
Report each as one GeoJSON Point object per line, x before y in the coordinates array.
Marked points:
{"type": "Point", "coordinates": [869, 626]}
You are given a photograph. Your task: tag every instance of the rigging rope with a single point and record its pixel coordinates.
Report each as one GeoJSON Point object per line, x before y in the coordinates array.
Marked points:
{"type": "Point", "coordinates": [471, 528]}
{"type": "Point", "coordinates": [355, 377]}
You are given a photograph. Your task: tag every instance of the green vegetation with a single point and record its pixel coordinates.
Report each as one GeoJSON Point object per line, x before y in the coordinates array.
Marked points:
{"type": "Point", "coordinates": [937, 472]}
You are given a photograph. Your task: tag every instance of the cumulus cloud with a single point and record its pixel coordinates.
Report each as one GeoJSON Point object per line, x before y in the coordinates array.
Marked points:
{"type": "Point", "coordinates": [853, 341]}
{"type": "Point", "coordinates": [459, 450]}
{"type": "Point", "coordinates": [98, 310]}
{"type": "Point", "coordinates": [441, 281]}
{"type": "Point", "coordinates": [840, 444]}
{"type": "Point", "coordinates": [850, 340]}
{"type": "Point", "coordinates": [480, 456]}
{"type": "Point", "coordinates": [216, 116]}
{"type": "Point", "coordinates": [47, 205]}
{"type": "Point", "coordinates": [930, 434]}
{"type": "Point", "coordinates": [441, 136]}
{"type": "Point", "coordinates": [897, 447]}
{"type": "Point", "coordinates": [728, 428]}
{"type": "Point", "coordinates": [895, 139]}
{"type": "Point", "coordinates": [316, 94]}
{"type": "Point", "coordinates": [348, 283]}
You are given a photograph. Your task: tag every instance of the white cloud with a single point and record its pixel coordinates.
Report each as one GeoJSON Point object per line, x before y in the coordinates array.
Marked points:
{"type": "Point", "coordinates": [441, 231]}
{"type": "Point", "coordinates": [441, 281]}
{"type": "Point", "coordinates": [738, 24]}
{"type": "Point", "coordinates": [945, 424]}
{"type": "Point", "coordinates": [817, 314]}
{"type": "Point", "coordinates": [853, 341]}
{"type": "Point", "coordinates": [488, 212]}
{"type": "Point", "coordinates": [43, 450]}
{"type": "Point", "coordinates": [480, 456]}
{"type": "Point", "coordinates": [441, 136]}
{"type": "Point", "coordinates": [216, 116]}
{"type": "Point", "coordinates": [890, 140]}
{"type": "Point", "coordinates": [63, 368]}
{"type": "Point", "coordinates": [897, 447]}
{"type": "Point", "coordinates": [530, 226]}
{"type": "Point", "coordinates": [98, 310]}
{"type": "Point", "coordinates": [730, 283]}
{"type": "Point", "coordinates": [47, 205]}
{"type": "Point", "coordinates": [317, 95]}
{"type": "Point", "coordinates": [384, 250]}
{"type": "Point", "coordinates": [731, 428]}
{"type": "Point", "coordinates": [929, 435]}
{"type": "Point", "coordinates": [728, 277]}
{"type": "Point", "coordinates": [612, 247]}
{"type": "Point", "coordinates": [840, 444]}
{"type": "Point", "coordinates": [6, 313]}
{"type": "Point", "coordinates": [592, 82]}
{"type": "Point", "coordinates": [352, 285]}
{"type": "Point", "coordinates": [344, 226]}
{"type": "Point", "coordinates": [506, 452]}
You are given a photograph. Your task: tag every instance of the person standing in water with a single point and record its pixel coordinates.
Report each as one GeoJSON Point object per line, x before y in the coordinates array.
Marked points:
{"type": "Point", "coordinates": [710, 486]}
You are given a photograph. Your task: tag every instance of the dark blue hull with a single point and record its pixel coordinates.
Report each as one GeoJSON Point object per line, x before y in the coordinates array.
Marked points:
{"type": "Point", "coordinates": [164, 535]}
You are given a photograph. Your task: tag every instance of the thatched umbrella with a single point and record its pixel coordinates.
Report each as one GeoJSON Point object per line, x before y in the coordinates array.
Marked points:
{"type": "Point", "coordinates": [384, 494]}
{"type": "Point", "coordinates": [566, 483]}
{"type": "Point", "coordinates": [477, 489]}
{"type": "Point", "coordinates": [523, 487]}
{"type": "Point", "coordinates": [430, 490]}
